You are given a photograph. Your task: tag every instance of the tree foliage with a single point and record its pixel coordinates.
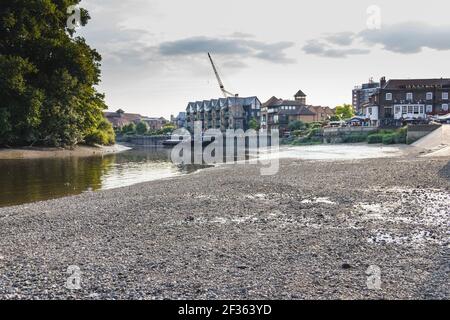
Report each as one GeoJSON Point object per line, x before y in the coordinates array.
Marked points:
{"type": "Point", "coordinates": [129, 128]}
{"type": "Point", "coordinates": [166, 129]}
{"type": "Point", "coordinates": [142, 128]}
{"type": "Point", "coordinates": [296, 125]}
{"type": "Point", "coordinates": [47, 76]}
{"type": "Point", "coordinates": [253, 124]}
{"type": "Point", "coordinates": [345, 111]}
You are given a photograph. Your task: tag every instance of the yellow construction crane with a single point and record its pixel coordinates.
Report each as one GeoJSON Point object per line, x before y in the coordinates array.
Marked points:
{"type": "Point", "coordinates": [226, 93]}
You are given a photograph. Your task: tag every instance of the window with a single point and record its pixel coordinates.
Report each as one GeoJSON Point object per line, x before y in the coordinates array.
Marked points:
{"type": "Point", "coordinates": [444, 95]}
{"type": "Point", "coordinates": [429, 95]}
{"type": "Point", "coordinates": [389, 96]}
{"type": "Point", "coordinates": [388, 112]}
{"type": "Point", "coordinates": [416, 109]}
{"type": "Point", "coordinates": [445, 107]}
{"type": "Point", "coordinates": [422, 109]}
{"type": "Point", "coordinates": [429, 108]}
{"type": "Point", "coordinates": [370, 111]}
{"type": "Point", "coordinates": [410, 109]}
{"type": "Point", "coordinates": [404, 109]}
{"type": "Point", "coordinates": [409, 96]}
{"type": "Point", "coordinates": [398, 109]}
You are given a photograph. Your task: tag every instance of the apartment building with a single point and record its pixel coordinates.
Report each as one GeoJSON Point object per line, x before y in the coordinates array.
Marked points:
{"type": "Point", "coordinates": [224, 113]}
{"type": "Point", "coordinates": [361, 94]}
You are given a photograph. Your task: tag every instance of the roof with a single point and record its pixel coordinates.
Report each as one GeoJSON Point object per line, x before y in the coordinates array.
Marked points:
{"type": "Point", "coordinates": [300, 93]}
{"type": "Point", "coordinates": [298, 110]}
{"type": "Point", "coordinates": [398, 84]}
{"type": "Point", "coordinates": [207, 105]}
{"type": "Point", "coordinates": [122, 119]}
{"type": "Point", "coordinates": [317, 109]}
{"type": "Point", "coordinates": [274, 102]}
{"type": "Point", "coordinates": [271, 102]}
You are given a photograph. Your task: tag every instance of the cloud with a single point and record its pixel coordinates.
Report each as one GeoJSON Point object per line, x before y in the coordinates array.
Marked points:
{"type": "Point", "coordinates": [409, 37]}
{"type": "Point", "coordinates": [241, 48]}
{"type": "Point", "coordinates": [234, 64]}
{"type": "Point", "coordinates": [321, 49]}
{"type": "Point", "coordinates": [341, 38]}
{"type": "Point", "coordinates": [241, 35]}
{"type": "Point", "coordinates": [403, 38]}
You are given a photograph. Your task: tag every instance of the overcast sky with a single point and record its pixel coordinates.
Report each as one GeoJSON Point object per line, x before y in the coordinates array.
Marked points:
{"type": "Point", "coordinates": [155, 61]}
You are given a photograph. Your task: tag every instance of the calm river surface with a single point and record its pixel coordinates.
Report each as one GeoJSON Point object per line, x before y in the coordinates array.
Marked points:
{"type": "Point", "coordinates": [24, 181]}
{"type": "Point", "coordinates": [29, 180]}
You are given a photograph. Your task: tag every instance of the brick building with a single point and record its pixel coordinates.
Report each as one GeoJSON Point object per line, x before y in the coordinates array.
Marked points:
{"type": "Point", "coordinates": [399, 100]}
{"type": "Point", "coordinates": [278, 113]}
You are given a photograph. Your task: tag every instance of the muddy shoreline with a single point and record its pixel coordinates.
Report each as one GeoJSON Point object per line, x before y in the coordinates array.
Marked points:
{"type": "Point", "coordinates": [310, 232]}
{"type": "Point", "coordinates": [44, 153]}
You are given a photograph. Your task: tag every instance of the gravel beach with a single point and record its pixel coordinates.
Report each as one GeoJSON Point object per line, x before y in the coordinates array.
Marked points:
{"type": "Point", "coordinates": [312, 231]}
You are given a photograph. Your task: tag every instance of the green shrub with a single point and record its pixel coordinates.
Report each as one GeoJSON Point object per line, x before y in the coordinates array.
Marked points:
{"type": "Point", "coordinates": [129, 129]}
{"type": "Point", "coordinates": [167, 129]}
{"type": "Point", "coordinates": [297, 133]}
{"type": "Point", "coordinates": [103, 135]}
{"type": "Point", "coordinates": [389, 138]}
{"type": "Point", "coordinates": [296, 125]}
{"type": "Point", "coordinates": [314, 132]}
{"type": "Point", "coordinates": [355, 138]}
{"type": "Point", "coordinates": [375, 138]}
{"type": "Point", "coordinates": [314, 125]}
{"type": "Point", "coordinates": [141, 128]}
{"type": "Point", "coordinates": [401, 136]}
{"type": "Point", "coordinates": [386, 131]}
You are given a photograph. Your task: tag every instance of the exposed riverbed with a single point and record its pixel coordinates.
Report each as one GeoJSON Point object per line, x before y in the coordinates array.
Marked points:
{"type": "Point", "coordinates": [312, 231]}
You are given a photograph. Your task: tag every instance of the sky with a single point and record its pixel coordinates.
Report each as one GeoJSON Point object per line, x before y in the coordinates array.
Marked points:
{"type": "Point", "coordinates": [155, 51]}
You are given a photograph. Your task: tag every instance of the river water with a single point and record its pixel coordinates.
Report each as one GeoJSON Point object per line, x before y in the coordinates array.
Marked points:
{"type": "Point", "coordinates": [29, 180]}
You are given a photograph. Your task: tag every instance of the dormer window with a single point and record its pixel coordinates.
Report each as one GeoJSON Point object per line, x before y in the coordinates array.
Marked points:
{"type": "Point", "coordinates": [429, 95]}
{"type": "Point", "coordinates": [409, 96]}
{"type": "Point", "coordinates": [444, 95]}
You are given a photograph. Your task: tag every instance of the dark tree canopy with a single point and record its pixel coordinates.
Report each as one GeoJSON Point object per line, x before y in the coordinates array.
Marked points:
{"type": "Point", "coordinates": [47, 77]}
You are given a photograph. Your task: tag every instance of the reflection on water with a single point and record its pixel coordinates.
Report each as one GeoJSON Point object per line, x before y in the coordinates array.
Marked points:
{"type": "Point", "coordinates": [29, 180]}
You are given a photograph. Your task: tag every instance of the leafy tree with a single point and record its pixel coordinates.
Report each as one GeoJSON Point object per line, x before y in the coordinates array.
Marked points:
{"type": "Point", "coordinates": [47, 76]}
{"type": "Point", "coordinates": [129, 129]}
{"type": "Point", "coordinates": [141, 128]}
{"type": "Point", "coordinates": [345, 111]}
{"type": "Point", "coordinates": [167, 129]}
{"type": "Point", "coordinates": [296, 125]}
{"type": "Point", "coordinates": [5, 127]}
{"type": "Point", "coordinates": [104, 134]}
{"type": "Point", "coordinates": [334, 118]}
{"type": "Point", "coordinates": [253, 124]}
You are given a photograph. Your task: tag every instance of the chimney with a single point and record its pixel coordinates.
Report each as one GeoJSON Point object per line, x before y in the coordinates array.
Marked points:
{"type": "Point", "coordinates": [382, 82]}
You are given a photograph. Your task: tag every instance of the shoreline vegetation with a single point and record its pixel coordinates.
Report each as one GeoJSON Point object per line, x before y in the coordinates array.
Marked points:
{"type": "Point", "coordinates": [312, 134]}
{"type": "Point", "coordinates": [48, 79]}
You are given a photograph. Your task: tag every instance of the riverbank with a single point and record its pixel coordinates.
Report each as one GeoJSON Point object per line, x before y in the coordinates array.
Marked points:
{"type": "Point", "coordinates": [44, 153]}
{"type": "Point", "coordinates": [310, 232]}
